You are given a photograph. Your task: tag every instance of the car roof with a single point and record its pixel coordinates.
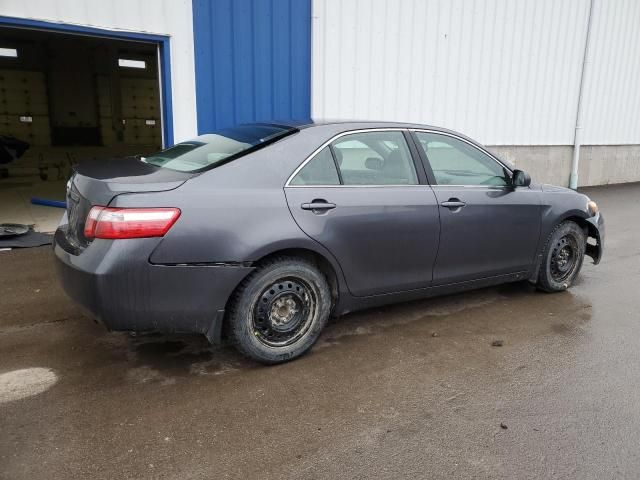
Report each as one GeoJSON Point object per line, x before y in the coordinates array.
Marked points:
{"type": "Point", "coordinates": [350, 124]}
{"type": "Point", "coordinates": [346, 125]}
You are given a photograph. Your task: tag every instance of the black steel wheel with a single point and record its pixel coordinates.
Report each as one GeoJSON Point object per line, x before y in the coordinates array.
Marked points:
{"type": "Point", "coordinates": [278, 311]}
{"type": "Point", "coordinates": [562, 258]}
{"type": "Point", "coordinates": [284, 312]}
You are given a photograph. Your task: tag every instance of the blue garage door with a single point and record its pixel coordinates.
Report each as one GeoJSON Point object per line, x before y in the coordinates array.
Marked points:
{"type": "Point", "coordinates": [252, 61]}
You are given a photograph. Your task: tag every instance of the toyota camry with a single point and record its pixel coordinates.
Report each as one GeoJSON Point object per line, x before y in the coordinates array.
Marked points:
{"type": "Point", "coordinates": [260, 233]}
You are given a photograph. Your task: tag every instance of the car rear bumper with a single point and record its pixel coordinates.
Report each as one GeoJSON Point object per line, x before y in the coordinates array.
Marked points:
{"type": "Point", "coordinates": [116, 284]}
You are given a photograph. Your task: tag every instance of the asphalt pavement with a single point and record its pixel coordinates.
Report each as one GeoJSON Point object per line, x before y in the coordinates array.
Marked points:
{"type": "Point", "coordinates": [416, 390]}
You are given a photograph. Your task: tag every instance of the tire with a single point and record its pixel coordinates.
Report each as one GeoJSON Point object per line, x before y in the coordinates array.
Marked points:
{"type": "Point", "coordinates": [279, 310]}
{"type": "Point", "coordinates": [562, 257]}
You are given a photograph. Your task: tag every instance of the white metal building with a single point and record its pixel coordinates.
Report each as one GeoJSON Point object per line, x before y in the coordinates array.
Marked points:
{"type": "Point", "coordinates": [507, 73]}
{"type": "Point", "coordinates": [504, 72]}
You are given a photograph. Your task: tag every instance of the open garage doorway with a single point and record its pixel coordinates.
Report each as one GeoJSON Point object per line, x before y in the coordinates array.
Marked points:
{"type": "Point", "coordinates": [67, 96]}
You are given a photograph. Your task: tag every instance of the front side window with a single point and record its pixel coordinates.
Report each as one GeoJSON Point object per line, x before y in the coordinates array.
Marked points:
{"type": "Point", "coordinates": [374, 158]}
{"type": "Point", "coordinates": [213, 149]}
{"type": "Point", "coordinates": [455, 162]}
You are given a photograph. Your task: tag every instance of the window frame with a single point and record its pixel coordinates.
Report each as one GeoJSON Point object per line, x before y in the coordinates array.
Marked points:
{"type": "Point", "coordinates": [414, 153]}
{"type": "Point", "coordinates": [427, 165]}
{"type": "Point", "coordinates": [332, 162]}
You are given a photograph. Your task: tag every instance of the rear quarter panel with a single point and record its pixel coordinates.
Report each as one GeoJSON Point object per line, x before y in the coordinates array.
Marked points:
{"type": "Point", "coordinates": [236, 213]}
{"type": "Point", "coordinates": [223, 225]}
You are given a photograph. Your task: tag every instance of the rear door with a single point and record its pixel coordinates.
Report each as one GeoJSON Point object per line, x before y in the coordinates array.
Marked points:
{"type": "Point", "coordinates": [488, 227]}
{"type": "Point", "coordinates": [362, 197]}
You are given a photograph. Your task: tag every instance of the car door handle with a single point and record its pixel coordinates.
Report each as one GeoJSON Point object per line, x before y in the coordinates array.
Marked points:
{"type": "Point", "coordinates": [453, 203]}
{"type": "Point", "coordinates": [318, 205]}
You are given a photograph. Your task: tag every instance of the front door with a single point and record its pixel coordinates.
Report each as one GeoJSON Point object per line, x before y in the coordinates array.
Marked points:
{"type": "Point", "coordinates": [488, 227]}
{"type": "Point", "coordinates": [361, 198]}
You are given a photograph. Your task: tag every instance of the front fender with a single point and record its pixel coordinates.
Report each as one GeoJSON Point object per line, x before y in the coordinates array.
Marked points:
{"type": "Point", "coordinates": [561, 204]}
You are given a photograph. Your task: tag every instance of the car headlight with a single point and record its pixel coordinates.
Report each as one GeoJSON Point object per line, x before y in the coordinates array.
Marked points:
{"type": "Point", "coordinates": [592, 208]}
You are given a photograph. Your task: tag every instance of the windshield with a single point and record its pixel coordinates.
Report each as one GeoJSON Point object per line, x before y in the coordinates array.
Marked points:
{"type": "Point", "coordinates": [213, 149]}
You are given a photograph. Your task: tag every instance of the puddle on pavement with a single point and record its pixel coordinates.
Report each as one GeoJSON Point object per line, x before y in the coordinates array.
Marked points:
{"type": "Point", "coordinates": [380, 319]}
{"type": "Point", "coordinates": [511, 306]}
{"type": "Point", "coordinates": [161, 359]}
{"type": "Point", "coordinates": [164, 358]}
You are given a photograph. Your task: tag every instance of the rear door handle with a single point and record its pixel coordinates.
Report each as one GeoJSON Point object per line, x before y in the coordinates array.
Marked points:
{"type": "Point", "coordinates": [453, 204]}
{"type": "Point", "coordinates": [318, 205]}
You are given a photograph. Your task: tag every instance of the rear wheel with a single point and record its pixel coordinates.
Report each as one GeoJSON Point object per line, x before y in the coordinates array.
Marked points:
{"type": "Point", "coordinates": [278, 312]}
{"type": "Point", "coordinates": [562, 258]}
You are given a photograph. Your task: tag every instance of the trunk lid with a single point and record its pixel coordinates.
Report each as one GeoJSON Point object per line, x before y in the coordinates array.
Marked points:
{"type": "Point", "coordinates": [97, 182]}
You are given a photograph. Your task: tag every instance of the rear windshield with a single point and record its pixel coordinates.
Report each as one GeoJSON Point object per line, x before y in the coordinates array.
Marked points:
{"type": "Point", "coordinates": [213, 149]}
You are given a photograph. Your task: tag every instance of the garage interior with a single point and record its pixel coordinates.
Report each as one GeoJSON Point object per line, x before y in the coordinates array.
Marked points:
{"type": "Point", "coordinates": [69, 97]}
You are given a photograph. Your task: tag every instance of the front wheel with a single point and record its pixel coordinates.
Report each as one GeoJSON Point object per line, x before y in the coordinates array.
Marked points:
{"type": "Point", "coordinates": [278, 312]}
{"type": "Point", "coordinates": [562, 258]}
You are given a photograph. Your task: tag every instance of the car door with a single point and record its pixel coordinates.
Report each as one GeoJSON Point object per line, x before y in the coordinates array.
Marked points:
{"type": "Point", "coordinates": [487, 227]}
{"type": "Point", "coordinates": [362, 197]}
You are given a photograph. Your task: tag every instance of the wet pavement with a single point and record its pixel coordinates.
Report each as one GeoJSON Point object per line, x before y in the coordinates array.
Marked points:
{"type": "Point", "coordinates": [410, 391]}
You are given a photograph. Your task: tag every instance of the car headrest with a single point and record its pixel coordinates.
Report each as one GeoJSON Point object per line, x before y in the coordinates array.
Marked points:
{"type": "Point", "coordinates": [394, 163]}
{"type": "Point", "coordinates": [373, 163]}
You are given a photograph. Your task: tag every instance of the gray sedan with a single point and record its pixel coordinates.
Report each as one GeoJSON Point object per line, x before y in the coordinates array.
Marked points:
{"type": "Point", "coordinates": [259, 233]}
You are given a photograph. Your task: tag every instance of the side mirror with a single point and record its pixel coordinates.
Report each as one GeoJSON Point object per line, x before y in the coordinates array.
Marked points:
{"type": "Point", "coordinates": [521, 179]}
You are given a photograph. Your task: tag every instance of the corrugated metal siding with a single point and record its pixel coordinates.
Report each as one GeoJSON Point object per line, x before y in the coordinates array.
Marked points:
{"type": "Point", "coordinates": [504, 72]}
{"type": "Point", "coordinates": [166, 17]}
{"type": "Point", "coordinates": [612, 93]}
{"type": "Point", "coordinates": [252, 61]}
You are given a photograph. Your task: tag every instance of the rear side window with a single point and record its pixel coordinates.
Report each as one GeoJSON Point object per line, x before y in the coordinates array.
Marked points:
{"type": "Point", "coordinates": [320, 170]}
{"type": "Point", "coordinates": [213, 149]}
{"type": "Point", "coordinates": [375, 158]}
{"type": "Point", "coordinates": [369, 158]}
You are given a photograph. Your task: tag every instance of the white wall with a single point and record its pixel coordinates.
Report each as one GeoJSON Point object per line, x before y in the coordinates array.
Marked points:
{"type": "Point", "coordinates": [164, 17]}
{"type": "Point", "coordinates": [504, 72]}
{"type": "Point", "coordinates": [612, 95]}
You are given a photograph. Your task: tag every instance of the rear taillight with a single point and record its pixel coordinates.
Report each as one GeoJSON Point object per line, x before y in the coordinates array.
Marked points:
{"type": "Point", "coordinates": [115, 223]}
